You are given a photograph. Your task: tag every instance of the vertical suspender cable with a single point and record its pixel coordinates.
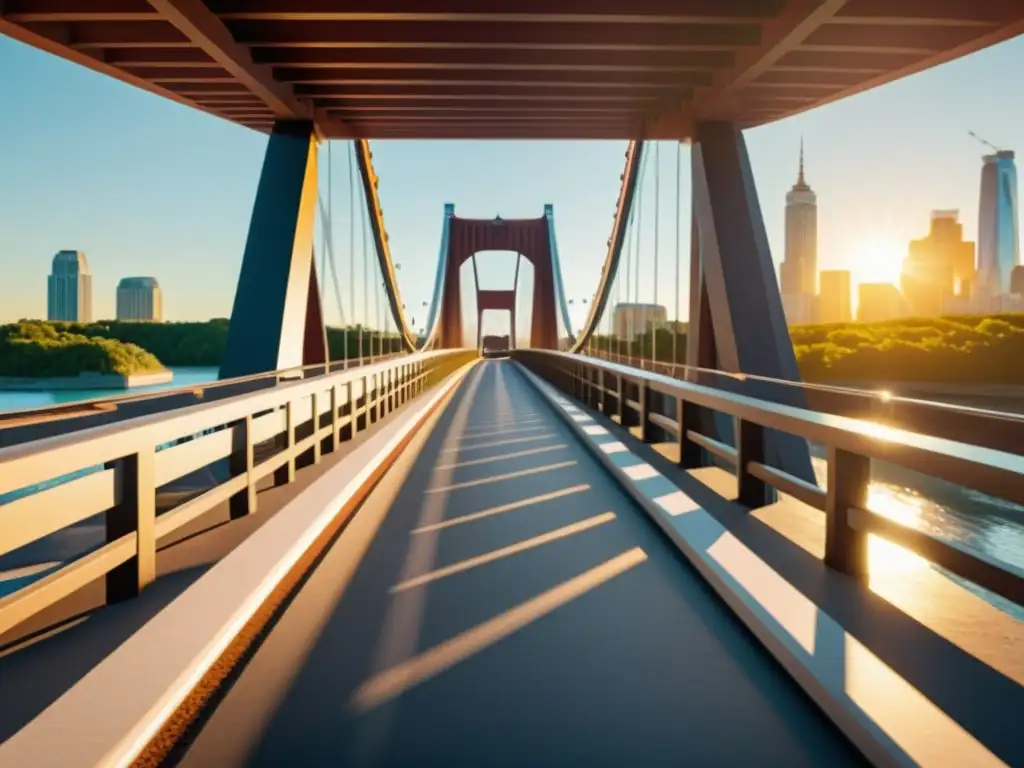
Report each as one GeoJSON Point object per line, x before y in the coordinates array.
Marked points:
{"type": "Point", "coordinates": [334, 267]}
{"type": "Point", "coordinates": [376, 293]}
{"type": "Point", "coordinates": [357, 214]}
{"type": "Point", "coordinates": [657, 240]}
{"type": "Point", "coordinates": [638, 224]}
{"type": "Point", "coordinates": [627, 312]}
{"type": "Point", "coordinates": [323, 231]}
{"type": "Point", "coordinates": [675, 325]}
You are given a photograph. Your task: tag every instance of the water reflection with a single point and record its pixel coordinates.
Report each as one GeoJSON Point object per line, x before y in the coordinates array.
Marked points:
{"type": "Point", "coordinates": [994, 527]}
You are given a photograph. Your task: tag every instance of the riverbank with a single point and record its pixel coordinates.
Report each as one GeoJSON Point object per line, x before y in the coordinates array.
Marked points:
{"type": "Point", "coordinates": [85, 382]}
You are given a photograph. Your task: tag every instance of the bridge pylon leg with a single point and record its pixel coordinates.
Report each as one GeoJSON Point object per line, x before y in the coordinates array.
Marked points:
{"type": "Point", "coordinates": [276, 321]}
{"type": "Point", "coordinates": [738, 294]}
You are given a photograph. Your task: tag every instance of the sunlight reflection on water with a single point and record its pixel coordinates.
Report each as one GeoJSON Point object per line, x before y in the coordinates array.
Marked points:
{"type": "Point", "coordinates": [990, 526]}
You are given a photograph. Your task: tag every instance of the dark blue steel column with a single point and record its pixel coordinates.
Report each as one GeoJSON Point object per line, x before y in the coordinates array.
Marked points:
{"type": "Point", "coordinates": [276, 321]}
{"type": "Point", "coordinates": [743, 299]}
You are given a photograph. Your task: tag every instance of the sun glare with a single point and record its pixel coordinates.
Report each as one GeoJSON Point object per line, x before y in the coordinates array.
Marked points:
{"type": "Point", "coordinates": [878, 260]}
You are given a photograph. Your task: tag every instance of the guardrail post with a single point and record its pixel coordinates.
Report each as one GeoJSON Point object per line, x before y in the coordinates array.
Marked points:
{"type": "Point", "coordinates": [753, 492]}
{"type": "Point", "coordinates": [365, 408]}
{"type": "Point", "coordinates": [135, 476]}
{"type": "Point", "coordinates": [314, 403]}
{"type": "Point", "coordinates": [646, 427]}
{"type": "Point", "coordinates": [286, 473]}
{"type": "Point", "coordinates": [242, 461]}
{"type": "Point", "coordinates": [335, 418]}
{"type": "Point", "coordinates": [691, 455]}
{"type": "Point", "coordinates": [849, 475]}
{"type": "Point", "coordinates": [628, 418]}
{"type": "Point", "coordinates": [349, 430]}
{"type": "Point", "coordinates": [607, 401]}
{"type": "Point", "coordinates": [378, 396]}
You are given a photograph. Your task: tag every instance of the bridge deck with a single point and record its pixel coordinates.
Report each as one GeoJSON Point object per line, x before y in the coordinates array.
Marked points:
{"type": "Point", "coordinates": [499, 600]}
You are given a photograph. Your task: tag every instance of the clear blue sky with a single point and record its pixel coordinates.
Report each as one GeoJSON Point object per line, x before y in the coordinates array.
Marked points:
{"type": "Point", "coordinates": [147, 187]}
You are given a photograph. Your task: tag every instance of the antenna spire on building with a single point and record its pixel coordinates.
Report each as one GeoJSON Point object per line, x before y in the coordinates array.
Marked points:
{"type": "Point", "coordinates": [800, 179]}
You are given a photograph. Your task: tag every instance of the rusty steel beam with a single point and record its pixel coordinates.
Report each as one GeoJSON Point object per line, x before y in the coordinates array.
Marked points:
{"type": "Point", "coordinates": [527, 79]}
{"type": "Point", "coordinates": [928, 13]}
{"type": "Point", "coordinates": [1001, 34]}
{"type": "Point", "coordinates": [114, 34]}
{"type": "Point", "coordinates": [195, 21]}
{"type": "Point", "coordinates": [31, 36]}
{"type": "Point", "coordinates": [493, 58]}
{"type": "Point", "coordinates": [501, 11]}
{"type": "Point", "coordinates": [783, 34]}
{"type": "Point", "coordinates": [833, 59]}
{"type": "Point", "coordinates": [451, 34]}
{"type": "Point", "coordinates": [323, 95]}
{"type": "Point", "coordinates": [921, 38]}
{"type": "Point", "coordinates": [179, 58]}
{"type": "Point", "coordinates": [28, 11]}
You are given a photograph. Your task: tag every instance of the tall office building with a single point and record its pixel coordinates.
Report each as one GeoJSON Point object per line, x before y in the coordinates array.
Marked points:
{"type": "Point", "coordinates": [69, 288]}
{"type": "Point", "coordinates": [632, 320]}
{"type": "Point", "coordinates": [799, 268]}
{"type": "Point", "coordinates": [1017, 280]}
{"type": "Point", "coordinates": [140, 298]}
{"type": "Point", "coordinates": [998, 235]}
{"type": "Point", "coordinates": [835, 298]}
{"type": "Point", "coordinates": [939, 267]}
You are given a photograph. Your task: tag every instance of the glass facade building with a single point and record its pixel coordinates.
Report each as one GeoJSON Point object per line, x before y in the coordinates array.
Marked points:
{"type": "Point", "coordinates": [69, 288]}
{"type": "Point", "coordinates": [140, 298]}
{"type": "Point", "coordinates": [998, 234]}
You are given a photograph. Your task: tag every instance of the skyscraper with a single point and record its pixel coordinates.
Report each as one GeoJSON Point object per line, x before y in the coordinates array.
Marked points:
{"type": "Point", "coordinates": [69, 288]}
{"type": "Point", "coordinates": [799, 269]}
{"type": "Point", "coordinates": [140, 298]}
{"type": "Point", "coordinates": [939, 267]}
{"type": "Point", "coordinates": [998, 235]}
{"type": "Point", "coordinates": [835, 297]}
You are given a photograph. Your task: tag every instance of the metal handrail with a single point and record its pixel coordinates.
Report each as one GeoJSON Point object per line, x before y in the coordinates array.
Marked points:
{"type": "Point", "coordinates": [140, 455]}
{"type": "Point", "coordinates": [110, 402]}
{"type": "Point", "coordinates": [1002, 430]}
{"type": "Point", "coordinates": [852, 444]}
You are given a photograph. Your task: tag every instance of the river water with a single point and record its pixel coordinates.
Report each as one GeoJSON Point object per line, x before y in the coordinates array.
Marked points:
{"type": "Point", "coordinates": [19, 401]}
{"type": "Point", "coordinates": [984, 524]}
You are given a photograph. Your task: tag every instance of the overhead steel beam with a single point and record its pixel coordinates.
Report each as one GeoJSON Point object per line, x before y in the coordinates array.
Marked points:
{"type": "Point", "coordinates": [201, 26]}
{"type": "Point", "coordinates": [562, 34]}
{"type": "Point", "coordinates": [1001, 34]}
{"type": "Point", "coordinates": [492, 58]}
{"type": "Point", "coordinates": [798, 20]}
{"type": "Point", "coordinates": [502, 11]}
{"type": "Point", "coordinates": [36, 39]}
{"type": "Point", "coordinates": [195, 20]}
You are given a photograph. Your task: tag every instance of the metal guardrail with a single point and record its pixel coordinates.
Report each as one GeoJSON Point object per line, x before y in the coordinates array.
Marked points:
{"type": "Point", "coordinates": [305, 418]}
{"type": "Point", "coordinates": [9, 419]}
{"type": "Point", "coordinates": [664, 407]}
{"type": "Point", "coordinates": [1001, 430]}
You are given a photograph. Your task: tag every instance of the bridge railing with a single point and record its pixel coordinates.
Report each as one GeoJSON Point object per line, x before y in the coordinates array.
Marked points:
{"type": "Point", "coordinates": [664, 408]}
{"type": "Point", "coordinates": [121, 466]}
{"type": "Point", "coordinates": [19, 419]}
{"type": "Point", "coordinates": [1001, 430]}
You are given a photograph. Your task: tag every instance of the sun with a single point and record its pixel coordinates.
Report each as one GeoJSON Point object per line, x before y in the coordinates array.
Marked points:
{"type": "Point", "coordinates": [878, 259]}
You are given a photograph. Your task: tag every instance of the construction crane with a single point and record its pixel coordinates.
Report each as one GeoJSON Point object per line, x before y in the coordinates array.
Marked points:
{"type": "Point", "coordinates": [983, 141]}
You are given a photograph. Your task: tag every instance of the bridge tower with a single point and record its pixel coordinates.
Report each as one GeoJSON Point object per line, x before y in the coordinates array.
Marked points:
{"type": "Point", "coordinates": [531, 238]}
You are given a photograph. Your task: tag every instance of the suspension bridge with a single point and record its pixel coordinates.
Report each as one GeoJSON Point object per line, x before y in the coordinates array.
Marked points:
{"type": "Point", "coordinates": [578, 553]}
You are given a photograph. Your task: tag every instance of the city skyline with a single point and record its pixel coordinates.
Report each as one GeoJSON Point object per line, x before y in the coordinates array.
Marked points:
{"type": "Point", "coordinates": [876, 180]}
